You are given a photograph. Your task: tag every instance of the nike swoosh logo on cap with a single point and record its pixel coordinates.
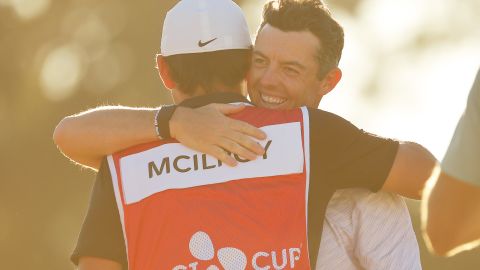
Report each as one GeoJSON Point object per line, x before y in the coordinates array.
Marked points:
{"type": "Point", "coordinates": [202, 44]}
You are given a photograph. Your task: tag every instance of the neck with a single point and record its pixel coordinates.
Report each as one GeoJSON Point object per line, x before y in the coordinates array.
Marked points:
{"type": "Point", "coordinates": [179, 96]}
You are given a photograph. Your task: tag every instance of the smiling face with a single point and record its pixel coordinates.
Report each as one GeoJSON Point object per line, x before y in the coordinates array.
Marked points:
{"type": "Point", "coordinates": [284, 71]}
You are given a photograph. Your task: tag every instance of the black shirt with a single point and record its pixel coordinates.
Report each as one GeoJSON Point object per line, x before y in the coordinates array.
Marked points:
{"type": "Point", "coordinates": [341, 156]}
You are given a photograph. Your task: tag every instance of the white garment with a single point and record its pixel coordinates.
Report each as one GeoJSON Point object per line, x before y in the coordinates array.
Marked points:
{"type": "Point", "coordinates": [365, 230]}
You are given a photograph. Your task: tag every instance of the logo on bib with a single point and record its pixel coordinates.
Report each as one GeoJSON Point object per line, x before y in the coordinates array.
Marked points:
{"type": "Point", "coordinates": [201, 247]}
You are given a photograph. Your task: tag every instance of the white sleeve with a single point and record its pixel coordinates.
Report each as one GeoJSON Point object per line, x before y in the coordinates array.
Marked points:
{"type": "Point", "coordinates": [384, 237]}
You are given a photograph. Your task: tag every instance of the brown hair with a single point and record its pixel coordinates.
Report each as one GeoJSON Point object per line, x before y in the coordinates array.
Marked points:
{"type": "Point", "coordinates": [313, 16]}
{"type": "Point", "coordinates": [226, 67]}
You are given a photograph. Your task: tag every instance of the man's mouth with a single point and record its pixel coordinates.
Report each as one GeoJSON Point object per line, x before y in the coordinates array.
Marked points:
{"type": "Point", "coordinates": [272, 100]}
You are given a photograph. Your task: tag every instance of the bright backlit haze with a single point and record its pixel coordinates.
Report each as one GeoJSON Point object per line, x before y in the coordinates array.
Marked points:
{"type": "Point", "coordinates": [408, 66]}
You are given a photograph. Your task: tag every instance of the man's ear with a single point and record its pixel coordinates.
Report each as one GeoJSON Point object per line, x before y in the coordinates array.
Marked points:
{"type": "Point", "coordinates": [164, 72]}
{"type": "Point", "coordinates": [330, 80]}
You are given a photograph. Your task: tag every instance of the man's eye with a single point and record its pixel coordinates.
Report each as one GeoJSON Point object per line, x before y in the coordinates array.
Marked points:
{"type": "Point", "coordinates": [291, 71]}
{"type": "Point", "coordinates": [258, 61]}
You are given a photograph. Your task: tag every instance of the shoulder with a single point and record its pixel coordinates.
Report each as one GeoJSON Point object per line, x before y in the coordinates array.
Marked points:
{"type": "Point", "coordinates": [331, 128]}
{"type": "Point", "coordinates": [323, 118]}
{"type": "Point", "coordinates": [336, 135]}
{"type": "Point", "coordinates": [462, 155]}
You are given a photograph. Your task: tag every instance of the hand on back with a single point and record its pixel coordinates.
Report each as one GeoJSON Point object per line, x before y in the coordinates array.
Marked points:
{"type": "Point", "coordinates": [207, 129]}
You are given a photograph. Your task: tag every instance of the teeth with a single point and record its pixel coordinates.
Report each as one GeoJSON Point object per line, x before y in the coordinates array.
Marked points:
{"type": "Point", "coordinates": [274, 100]}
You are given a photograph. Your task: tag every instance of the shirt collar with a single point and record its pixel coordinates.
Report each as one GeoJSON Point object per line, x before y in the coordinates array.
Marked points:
{"type": "Point", "coordinates": [222, 97]}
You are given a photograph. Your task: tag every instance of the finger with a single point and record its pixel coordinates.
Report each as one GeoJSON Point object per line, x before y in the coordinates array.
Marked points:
{"type": "Point", "coordinates": [229, 108]}
{"type": "Point", "coordinates": [248, 129]}
{"type": "Point", "coordinates": [223, 156]}
{"type": "Point", "coordinates": [246, 141]}
{"type": "Point", "coordinates": [237, 149]}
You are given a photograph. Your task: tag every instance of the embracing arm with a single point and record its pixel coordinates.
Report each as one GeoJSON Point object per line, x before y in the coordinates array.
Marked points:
{"type": "Point", "coordinates": [412, 167]}
{"type": "Point", "coordinates": [89, 136]}
{"type": "Point", "coordinates": [352, 157]}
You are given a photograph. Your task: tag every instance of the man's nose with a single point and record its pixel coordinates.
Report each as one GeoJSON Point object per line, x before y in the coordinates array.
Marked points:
{"type": "Point", "coordinates": [269, 77]}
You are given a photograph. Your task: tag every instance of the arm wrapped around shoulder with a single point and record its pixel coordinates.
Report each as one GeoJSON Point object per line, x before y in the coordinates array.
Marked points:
{"type": "Point", "coordinates": [411, 169]}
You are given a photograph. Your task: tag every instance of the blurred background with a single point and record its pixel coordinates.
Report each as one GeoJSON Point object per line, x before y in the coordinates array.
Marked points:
{"type": "Point", "coordinates": [408, 66]}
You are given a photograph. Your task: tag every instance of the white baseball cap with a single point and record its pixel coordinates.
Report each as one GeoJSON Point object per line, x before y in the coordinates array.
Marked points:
{"type": "Point", "coordinates": [196, 26]}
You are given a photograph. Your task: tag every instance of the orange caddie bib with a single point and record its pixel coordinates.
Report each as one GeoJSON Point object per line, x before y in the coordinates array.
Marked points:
{"type": "Point", "coordinates": [181, 209]}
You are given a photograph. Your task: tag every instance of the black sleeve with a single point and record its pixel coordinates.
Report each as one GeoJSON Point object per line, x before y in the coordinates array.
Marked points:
{"type": "Point", "coordinates": [346, 157]}
{"type": "Point", "coordinates": [101, 234]}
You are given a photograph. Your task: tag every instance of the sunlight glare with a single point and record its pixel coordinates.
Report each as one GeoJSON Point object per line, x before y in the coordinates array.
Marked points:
{"type": "Point", "coordinates": [29, 9]}
{"type": "Point", "coordinates": [61, 72]}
